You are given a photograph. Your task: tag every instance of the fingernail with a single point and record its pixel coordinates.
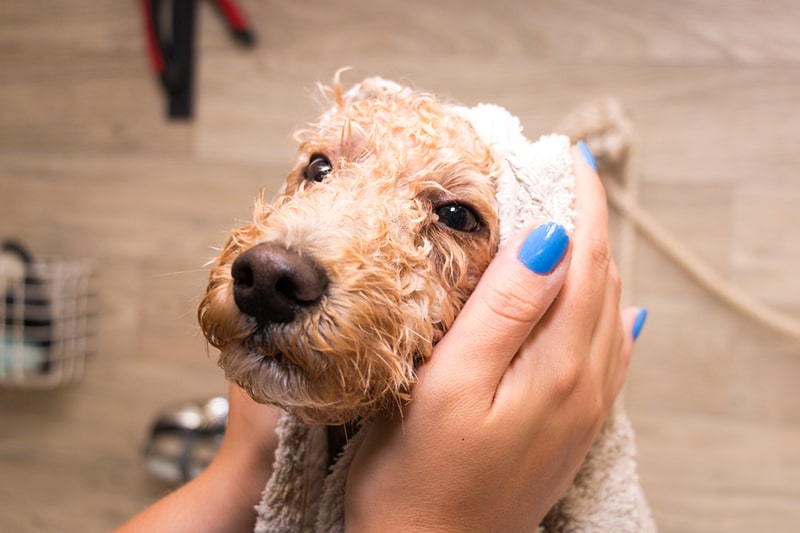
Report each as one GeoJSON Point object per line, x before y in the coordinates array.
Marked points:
{"type": "Point", "coordinates": [587, 155]}
{"type": "Point", "coordinates": [544, 248]}
{"type": "Point", "coordinates": [638, 324]}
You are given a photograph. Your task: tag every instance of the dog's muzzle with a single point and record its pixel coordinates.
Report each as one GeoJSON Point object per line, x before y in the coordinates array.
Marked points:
{"type": "Point", "coordinates": [273, 284]}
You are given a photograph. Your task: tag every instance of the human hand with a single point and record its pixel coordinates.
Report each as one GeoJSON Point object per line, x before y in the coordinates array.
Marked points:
{"type": "Point", "coordinates": [505, 411]}
{"type": "Point", "coordinates": [222, 498]}
{"type": "Point", "coordinates": [249, 443]}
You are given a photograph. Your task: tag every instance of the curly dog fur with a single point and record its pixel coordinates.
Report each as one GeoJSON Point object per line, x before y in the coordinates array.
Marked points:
{"type": "Point", "coordinates": [390, 210]}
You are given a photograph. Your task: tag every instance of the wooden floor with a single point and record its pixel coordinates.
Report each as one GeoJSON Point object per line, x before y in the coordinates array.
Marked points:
{"type": "Point", "coordinates": [90, 168]}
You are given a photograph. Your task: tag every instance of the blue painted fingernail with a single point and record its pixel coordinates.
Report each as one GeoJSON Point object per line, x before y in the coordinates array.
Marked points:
{"type": "Point", "coordinates": [638, 324]}
{"type": "Point", "coordinates": [587, 155]}
{"type": "Point", "coordinates": [544, 248]}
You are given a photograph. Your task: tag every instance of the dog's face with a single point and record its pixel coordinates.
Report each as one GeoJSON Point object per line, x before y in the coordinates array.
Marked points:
{"type": "Point", "coordinates": [325, 304]}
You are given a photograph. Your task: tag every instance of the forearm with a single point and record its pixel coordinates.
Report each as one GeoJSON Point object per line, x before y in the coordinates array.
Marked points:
{"type": "Point", "coordinates": [221, 499]}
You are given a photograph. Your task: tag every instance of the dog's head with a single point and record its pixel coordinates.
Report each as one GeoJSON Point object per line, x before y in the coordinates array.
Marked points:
{"type": "Point", "coordinates": [325, 304]}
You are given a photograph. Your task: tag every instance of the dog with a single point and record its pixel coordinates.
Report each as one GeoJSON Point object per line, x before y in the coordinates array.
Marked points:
{"type": "Point", "coordinates": [339, 289]}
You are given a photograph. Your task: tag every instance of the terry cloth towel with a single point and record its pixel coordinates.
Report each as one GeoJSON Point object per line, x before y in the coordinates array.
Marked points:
{"type": "Point", "coordinates": [536, 183]}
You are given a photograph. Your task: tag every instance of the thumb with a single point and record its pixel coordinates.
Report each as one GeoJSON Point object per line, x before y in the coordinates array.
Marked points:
{"type": "Point", "coordinates": [513, 294]}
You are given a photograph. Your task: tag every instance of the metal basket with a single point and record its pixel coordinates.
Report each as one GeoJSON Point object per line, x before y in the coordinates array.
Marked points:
{"type": "Point", "coordinates": [44, 324]}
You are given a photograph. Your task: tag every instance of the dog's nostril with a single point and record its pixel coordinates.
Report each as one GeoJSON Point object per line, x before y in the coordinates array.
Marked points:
{"type": "Point", "coordinates": [242, 274]}
{"type": "Point", "coordinates": [286, 287]}
{"type": "Point", "coordinates": [272, 284]}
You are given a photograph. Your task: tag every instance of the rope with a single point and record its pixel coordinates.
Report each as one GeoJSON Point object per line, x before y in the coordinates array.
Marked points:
{"type": "Point", "coordinates": [697, 269]}
{"type": "Point", "coordinates": [604, 126]}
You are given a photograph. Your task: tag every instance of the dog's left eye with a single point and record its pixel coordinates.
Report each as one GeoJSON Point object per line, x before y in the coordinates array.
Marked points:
{"type": "Point", "coordinates": [458, 217]}
{"type": "Point", "coordinates": [318, 167]}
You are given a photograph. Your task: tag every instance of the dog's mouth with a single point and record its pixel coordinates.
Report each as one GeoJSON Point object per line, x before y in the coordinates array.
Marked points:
{"type": "Point", "coordinates": [268, 358]}
{"type": "Point", "coordinates": [276, 359]}
{"type": "Point", "coordinates": [262, 352]}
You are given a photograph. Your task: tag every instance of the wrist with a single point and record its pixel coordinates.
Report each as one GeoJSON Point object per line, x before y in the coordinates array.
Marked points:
{"type": "Point", "coordinates": [246, 466]}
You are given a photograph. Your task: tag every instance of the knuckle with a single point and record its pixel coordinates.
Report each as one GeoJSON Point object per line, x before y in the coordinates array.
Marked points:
{"type": "Point", "coordinates": [600, 254]}
{"type": "Point", "coordinates": [512, 302]}
{"type": "Point", "coordinates": [595, 408]}
{"type": "Point", "coordinates": [599, 407]}
{"type": "Point", "coordinates": [567, 377]}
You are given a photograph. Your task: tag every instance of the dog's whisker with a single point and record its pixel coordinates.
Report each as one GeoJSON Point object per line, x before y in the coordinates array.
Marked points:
{"type": "Point", "coordinates": [181, 272]}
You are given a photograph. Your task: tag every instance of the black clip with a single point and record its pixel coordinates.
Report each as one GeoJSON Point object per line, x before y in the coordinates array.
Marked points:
{"type": "Point", "coordinates": [172, 53]}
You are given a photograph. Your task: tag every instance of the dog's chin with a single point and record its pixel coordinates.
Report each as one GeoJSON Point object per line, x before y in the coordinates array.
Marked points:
{"type": "Point", "coordinates": [274, 379]}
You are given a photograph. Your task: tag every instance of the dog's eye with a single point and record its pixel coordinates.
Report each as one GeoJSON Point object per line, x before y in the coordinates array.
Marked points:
{"type": "Point", "coordinates": [318, 167]}
{"type": "Point", "coordinates": [459, 217]}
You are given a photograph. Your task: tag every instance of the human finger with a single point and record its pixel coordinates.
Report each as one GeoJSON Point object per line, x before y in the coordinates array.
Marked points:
{"type": "Point", "coordinates": [585, 318]}
{"type": "Point", "coordinates": [614, 361]}
{"type": "Point", "coordinates": [585, 283]}
{"type": "Point", "coordinates": [513, 294]}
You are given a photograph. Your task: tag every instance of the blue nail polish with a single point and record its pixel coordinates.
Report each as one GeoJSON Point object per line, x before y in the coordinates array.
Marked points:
{"type": "Point", "coordinates": [638, 324]}
{"type": "Point", "coordinates": [544, 248]}
{"type": "Point", "coordinates": [587, 155]}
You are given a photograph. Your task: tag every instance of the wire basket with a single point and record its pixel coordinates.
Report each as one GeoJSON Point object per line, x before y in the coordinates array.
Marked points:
{"type": "Point", "coordinates": [44, 323]}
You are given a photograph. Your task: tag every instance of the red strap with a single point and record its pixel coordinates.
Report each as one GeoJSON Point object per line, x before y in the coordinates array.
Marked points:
{"type": "Point", "coordinates": [233, 14]}
{"type": "Point", "coordinates": [153, 48]}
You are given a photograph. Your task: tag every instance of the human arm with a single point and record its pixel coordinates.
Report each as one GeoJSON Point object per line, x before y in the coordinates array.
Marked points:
{"type": "Point", "coordinates": [222, 498]}
{"type": "Point", "coordinates": [502, 415]}
{"type": "Point", "coordinates": [508, 406]}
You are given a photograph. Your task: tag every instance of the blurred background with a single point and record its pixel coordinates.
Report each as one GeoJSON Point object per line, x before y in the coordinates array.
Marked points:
{"type": "Point", "coordinates": [91, 167]}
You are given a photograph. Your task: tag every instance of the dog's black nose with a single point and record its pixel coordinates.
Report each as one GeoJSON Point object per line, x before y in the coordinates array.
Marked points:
{"type": "Point", "coordinates": [271, 283]}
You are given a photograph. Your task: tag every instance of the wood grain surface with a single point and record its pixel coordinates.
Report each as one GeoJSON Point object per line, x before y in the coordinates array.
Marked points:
{"type": "Point", "coordinates": [89, 168]}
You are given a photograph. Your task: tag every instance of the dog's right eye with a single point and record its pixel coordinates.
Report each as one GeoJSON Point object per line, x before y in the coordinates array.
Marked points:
{"type": "Point", "coordinates": [458, 217]}
{"type": "Point", "coordinates": [318, 167]}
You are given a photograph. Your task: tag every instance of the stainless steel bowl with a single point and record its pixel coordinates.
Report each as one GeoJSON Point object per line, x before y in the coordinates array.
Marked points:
{"type": "Point", "coordinates": [184, 439]}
